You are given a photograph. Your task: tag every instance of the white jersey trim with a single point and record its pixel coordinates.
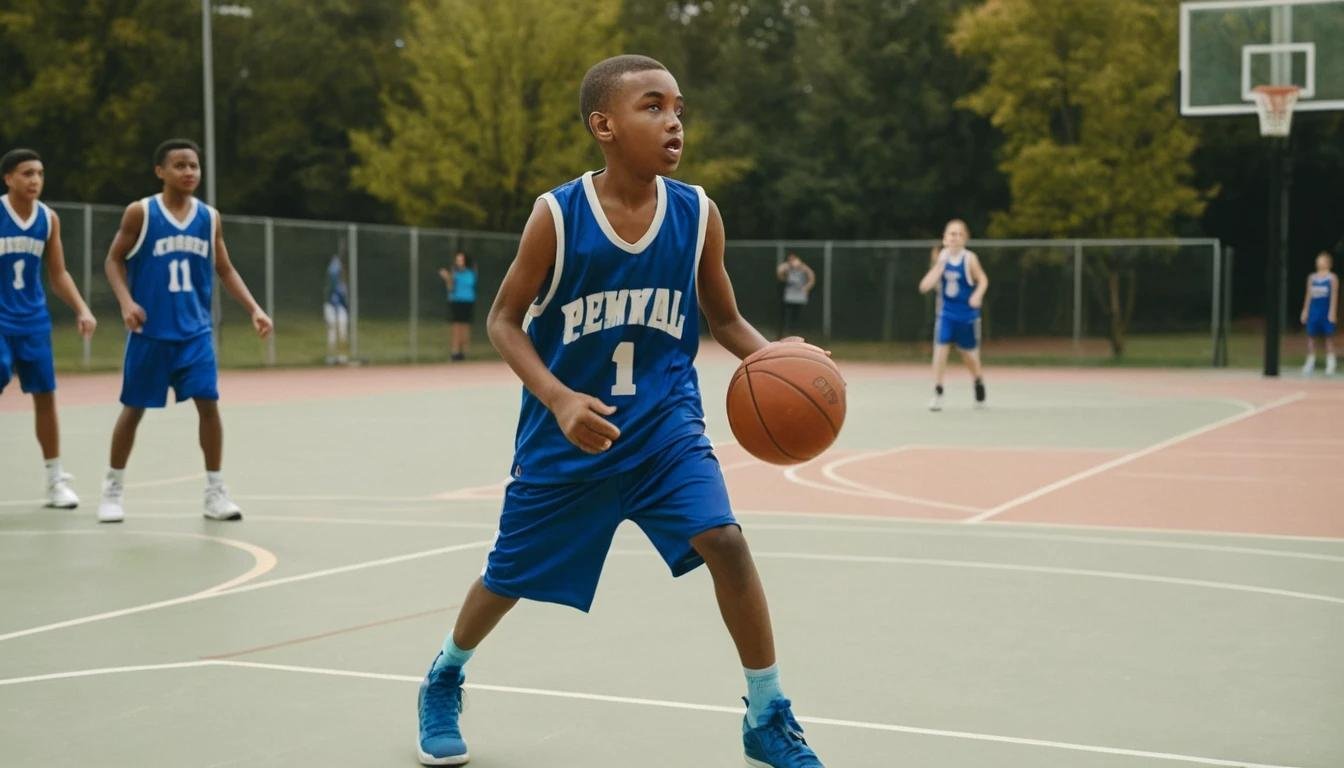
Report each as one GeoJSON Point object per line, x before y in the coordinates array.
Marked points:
{"type": "Point", "coordinates": [167, 214]}
{"type": "Point", "coordinates": [20, 223]}
{"type": "Point", "coordinates": [557, 219]}
{"type": "Point", "coordinates": [700, 236]}
{"type": "Point", "coordinates": [214, 230]}
{"type": "Point", "coordinates": [654, 226]}
{"type": "Point", "coordinates": [144, 229]}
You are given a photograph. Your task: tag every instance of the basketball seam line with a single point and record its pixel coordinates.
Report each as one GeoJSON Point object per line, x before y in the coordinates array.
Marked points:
{"type": "Point", "coordinates": [756, 408]}
{"type": "Point", "coordinates": [806, 396]}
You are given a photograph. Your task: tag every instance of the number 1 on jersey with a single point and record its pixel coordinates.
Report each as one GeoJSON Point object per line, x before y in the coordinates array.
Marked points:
{"type": "Point", "coordinates": [19, 284]}
{"type": "Point", "coordinates": [624, 358]}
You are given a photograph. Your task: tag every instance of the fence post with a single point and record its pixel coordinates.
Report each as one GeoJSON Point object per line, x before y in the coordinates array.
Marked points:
{"type": "Point", "coordinates": [88, 276]}
{"type": "Point", "coordinates": [270, 288]}
{"type": "Point", "coordinates": [352, 238]}
{"type": "Point", "coordinates": [826, 292]}
{"type": "Point", "coordinates": [415, 294]}
{"type": "Point", "coordinates": [888, 291]}
{"type": "Point", "coordinates": [1218, 358]}
{"type": "Point", "coordinates": [1077, 297]}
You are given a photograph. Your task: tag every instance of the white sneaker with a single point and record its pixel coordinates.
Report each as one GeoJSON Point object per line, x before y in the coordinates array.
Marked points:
{"type": "Point", "coordinates": [936, 404]}
{"type": "Point", "coordinates": [218, 505]}
{"type": "Point", "coordinates": [60, 495]}
{"type": "Point", "coordinates": [109, 507]}
{"type": "Point", "coordinates": [1309, 366]}
{"type": "Point", "coordinates": [1329, 365]}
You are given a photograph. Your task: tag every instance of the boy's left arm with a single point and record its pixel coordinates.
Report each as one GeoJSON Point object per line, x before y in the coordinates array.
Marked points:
{"type": "Point", "coordinates": [717, 301]}
{"type": "Point", "coordinates": [62, 284]}
{"type": "Point", "coordinates": [981, 282]}
{"type": "Point", "coordinates": [233, 283]}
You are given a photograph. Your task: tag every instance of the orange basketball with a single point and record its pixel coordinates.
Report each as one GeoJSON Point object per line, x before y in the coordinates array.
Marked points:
{"type": "Point", "coordinates": [786, 403]}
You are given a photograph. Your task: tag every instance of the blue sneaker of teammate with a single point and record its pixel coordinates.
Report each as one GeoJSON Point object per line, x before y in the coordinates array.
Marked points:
{"type": "Point", "coordinates": [778, 742]}
{"type": "Point", "coordinates": [440, 704]}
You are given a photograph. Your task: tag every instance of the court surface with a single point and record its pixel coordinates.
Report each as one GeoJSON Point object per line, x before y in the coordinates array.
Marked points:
{"type": "Point", "coordinates": [1106, 568]}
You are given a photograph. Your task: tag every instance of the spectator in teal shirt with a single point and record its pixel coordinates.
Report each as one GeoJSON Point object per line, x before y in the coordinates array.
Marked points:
{"type": "Point", "coordinates": [461, 284]}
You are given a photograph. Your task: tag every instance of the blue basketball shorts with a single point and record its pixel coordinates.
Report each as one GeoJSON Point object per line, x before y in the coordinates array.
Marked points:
{"type": "Point", "coordinates": [1316, 326]}
{"type": "Point", "coordinates": [964, 333]}
{"type": "Point", "coordinates": [28, 355]}
{"type": "Point", "coordinates": [553, 539]}
{"type": "Point", "coordinates": [154, 365]}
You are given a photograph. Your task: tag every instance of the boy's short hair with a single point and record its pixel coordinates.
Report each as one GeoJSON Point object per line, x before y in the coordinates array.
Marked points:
{"type": "Point", "coordinates": [602, 78]}
{"type": "Point", "coordinates": [1326, 255]}
{"type": "Point", "coordinates": [161, 152]}
{"type": "Point", "coordinates": [14, 157]}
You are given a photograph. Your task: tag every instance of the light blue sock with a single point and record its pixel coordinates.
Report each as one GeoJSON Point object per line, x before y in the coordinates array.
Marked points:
{"type": "Point", "coordinates": [452, 655]}
{"type": "Point", "coordinates": [762, 688]}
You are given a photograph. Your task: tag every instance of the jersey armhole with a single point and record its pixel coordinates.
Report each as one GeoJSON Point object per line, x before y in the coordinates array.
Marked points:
{"type": "Point", "coordinates": [47, 213]}
{"type": "Point", "coordinates": [144, 228]}
{"type": "Point", "coordinates": [558, 220]}
{"type": "Point", "coordinates": [700, 235]}
{"type": "Point", "coordinates": [971, 258]}
{"type": "Point", "coordinates": [214, 230]}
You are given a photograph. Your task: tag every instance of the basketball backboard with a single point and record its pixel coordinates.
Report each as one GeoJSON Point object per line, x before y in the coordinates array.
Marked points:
{"type": "Point", "coordinates": [1228, 47]}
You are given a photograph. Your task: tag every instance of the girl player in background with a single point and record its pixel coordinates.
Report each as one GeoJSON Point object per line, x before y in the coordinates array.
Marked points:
{"type": "Point", "coordinates": [1320, 312]}
{"type": "Point", "coordinates": [961, 283]}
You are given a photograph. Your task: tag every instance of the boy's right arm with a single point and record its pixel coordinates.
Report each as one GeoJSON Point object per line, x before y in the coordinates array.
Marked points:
{"type": "Point", "coordinates": [1306, 301]}
{"type": "Point", "coordinates": [115, 266]}
{"type": "Point", "coordinates": [930, 278]}
{"type": "Point", "coordinates": [579, 415]}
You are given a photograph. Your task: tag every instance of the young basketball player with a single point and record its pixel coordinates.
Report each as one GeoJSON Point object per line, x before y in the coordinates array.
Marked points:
{"type": "Point", "coordinates": [336, 309]}
{"type": "Point", "coordinates": [159, 267]}
{"type": "Point", "coordinates": [1320, 312]}
{"type": "Point", "coordinates": [598, 315]}
{"type": "Point", "coordinates": [30, 238]}
{"type": "Point", "coordinates": [961, 283]}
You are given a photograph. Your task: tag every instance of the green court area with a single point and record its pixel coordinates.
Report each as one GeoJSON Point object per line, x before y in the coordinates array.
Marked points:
{"type": "Point", "coordinates": [1024, 586]}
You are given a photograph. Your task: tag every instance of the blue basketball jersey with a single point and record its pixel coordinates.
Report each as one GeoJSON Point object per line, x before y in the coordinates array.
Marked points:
{"type": "Point", "coordinates": [954, 295]}
{"type": "Point", "coordinates": [1319, 306]}
{"type": "Point", "coordinates": [618, 321]}
{"type": "Point", "coordinates": [337, 293]}
{"type": "Point", "coordinates": [23, 303]}
{"type": "Point", "coordinates": [170, 270]}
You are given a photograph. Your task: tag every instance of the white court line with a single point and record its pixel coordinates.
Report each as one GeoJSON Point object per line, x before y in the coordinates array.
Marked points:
{"type": "Point", "coordinates": [792, 475]}
{"type": "Point", "coordinates": [961, 531]}
{"type": "Point", "coordinates": [830, 471]}
{"type": "Point", "coordinates": [315, 520]}
{"type": "Point", "coordinates": [898, 520]}
{"type": "Point", "coordinates": [263, 560]}
{"type": "Point", "coordinates": [1249, 455]}
{"type": "Point", "coordinates": [663, 704]}
{"type": "Point", "coordinates": [1046, 569]}
{"type": "Point", "coordinates": [1127, 458]}
{"type": "Point", "coordinates": [245, 588]}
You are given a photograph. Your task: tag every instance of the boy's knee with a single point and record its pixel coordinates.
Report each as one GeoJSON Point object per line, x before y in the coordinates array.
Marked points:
{"type": "Point", "coordinates": [722, 543]}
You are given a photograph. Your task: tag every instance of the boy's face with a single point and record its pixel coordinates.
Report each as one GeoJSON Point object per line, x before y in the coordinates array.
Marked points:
{"type": "Point", "coordinates": [1323, 263]}
{"type": "Point", "coordinates": [954, 236]}
{"type": "Point", "coordinates": [644, 119]}
{"type": "Point", "coordinates": [25, 181]}
{"type": "Point", "coordinates": [181, 170]}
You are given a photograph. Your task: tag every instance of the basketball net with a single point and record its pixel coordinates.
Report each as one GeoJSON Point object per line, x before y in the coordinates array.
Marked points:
{"type": "Point", "coordinates": [1274, 103]}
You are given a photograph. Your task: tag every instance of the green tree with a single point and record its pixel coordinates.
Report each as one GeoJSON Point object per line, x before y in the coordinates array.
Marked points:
{"type": "Point", "coordinates": [488, 115]}
{"type": "Point", "coordinates": [1082, 92]}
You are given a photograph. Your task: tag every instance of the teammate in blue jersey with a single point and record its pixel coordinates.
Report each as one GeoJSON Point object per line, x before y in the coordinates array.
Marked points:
{"type": "Point", "coordinates": [160, 266]}
{"type": "Point", "coordinates": [599, 317]}
{"type": "Point", "coordinates": [1320, 313]}
{"type": "Point", "coordinates": [961, 284]}
{"type": "Point", "coordinates": [336, 309]}
{"type": "Point", "coordinates": [30, 243]}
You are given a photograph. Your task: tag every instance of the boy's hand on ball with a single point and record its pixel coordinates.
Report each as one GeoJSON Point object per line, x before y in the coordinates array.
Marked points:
{"type": "Point", "coordinates": [580, 418]}
{"type": "Point", "coordinates": [799, 340]}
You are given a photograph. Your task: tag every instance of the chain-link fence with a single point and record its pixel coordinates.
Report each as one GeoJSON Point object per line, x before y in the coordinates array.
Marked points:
{"type": "Point", "coordinates": [1049, 300]}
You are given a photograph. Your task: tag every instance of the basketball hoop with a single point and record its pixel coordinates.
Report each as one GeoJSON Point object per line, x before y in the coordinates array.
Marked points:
{"type": "Point", "coordinates": [1274, 103]}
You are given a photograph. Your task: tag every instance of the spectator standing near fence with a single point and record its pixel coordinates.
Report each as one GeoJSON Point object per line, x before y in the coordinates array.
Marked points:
{"type": "Point", "coordinates": [798, 279]}
{"type": "Point", "coordinates": [461, 284]}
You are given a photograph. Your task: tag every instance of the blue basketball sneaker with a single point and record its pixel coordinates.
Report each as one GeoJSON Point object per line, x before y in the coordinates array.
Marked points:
{"type": "Point", "coordinates": [778, 742]}
{"type": "Point", "coordinates": [440, 704]}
